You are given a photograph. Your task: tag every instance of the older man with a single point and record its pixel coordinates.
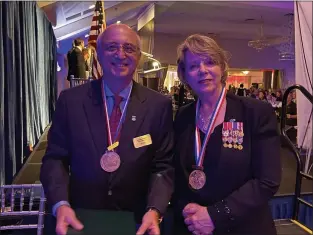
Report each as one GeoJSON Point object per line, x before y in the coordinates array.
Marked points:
{"type": "Point", "coordinates": [110, 143]}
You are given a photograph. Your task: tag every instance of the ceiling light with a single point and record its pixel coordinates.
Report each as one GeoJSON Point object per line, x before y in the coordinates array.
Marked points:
{"type": "Point", "coordinates": [245, 72]}
{"type": "Point", "coordinates": [155, 64]}
{"type": "Point", "coordinates": [92, 6]}
{"type": "Point", "coordinates": [118, 22]}
{"type": "Point", "coordinates": [87, 35]}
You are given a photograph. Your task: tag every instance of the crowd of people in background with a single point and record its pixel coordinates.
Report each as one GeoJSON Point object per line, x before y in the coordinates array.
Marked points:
{"type": "Point", "coordinates": [182, 95]}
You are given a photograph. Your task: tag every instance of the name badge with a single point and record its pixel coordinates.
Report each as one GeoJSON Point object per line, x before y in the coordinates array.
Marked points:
{"type": "Point", "coordinates": [142, 141]}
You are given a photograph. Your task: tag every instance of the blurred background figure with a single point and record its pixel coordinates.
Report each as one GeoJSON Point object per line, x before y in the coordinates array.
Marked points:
{"type": "Point", "coordinates": [76, 62]}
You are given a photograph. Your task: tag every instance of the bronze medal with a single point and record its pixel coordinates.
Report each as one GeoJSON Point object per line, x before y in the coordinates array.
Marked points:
{"type": "Point", "coordinates": [240, 147]}
{"type": "Point", "coordinates": [225, 145]}
{"type": "Point", "coordinates": [197, 179]}
{"type": "Point", "coordinates": [110, 161]}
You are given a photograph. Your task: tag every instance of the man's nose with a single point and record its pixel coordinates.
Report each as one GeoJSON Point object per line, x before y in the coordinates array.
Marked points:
{"type": "Point", "coordinates": [121, 53]}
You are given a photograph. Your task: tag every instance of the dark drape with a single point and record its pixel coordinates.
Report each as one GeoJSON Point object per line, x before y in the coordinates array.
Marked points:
{"type": "Point", "coordinates": [271, 79]}
{"type": "Point", "coordinates": [267, 79]}
{"type": "Point", "coordinates": [27, 82]}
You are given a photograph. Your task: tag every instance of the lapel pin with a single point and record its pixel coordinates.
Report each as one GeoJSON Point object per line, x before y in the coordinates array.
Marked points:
{"type": "Point", "coordinates": [133, 118]}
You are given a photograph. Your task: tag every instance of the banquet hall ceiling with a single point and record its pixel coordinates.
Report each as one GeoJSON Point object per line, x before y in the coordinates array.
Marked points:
{"type": "Point", "coordinates": [225, 19]}
{"type": "Point", "coordinates": [239, 20]}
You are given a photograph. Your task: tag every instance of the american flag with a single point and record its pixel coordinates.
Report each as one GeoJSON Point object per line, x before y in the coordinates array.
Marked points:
{"type": "Point", "coordinates": [97, 26]}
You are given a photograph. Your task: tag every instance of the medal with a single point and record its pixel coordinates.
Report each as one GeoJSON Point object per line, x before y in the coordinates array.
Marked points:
{"type": "Point", "coordinates": [224, 135]}
{"type": "Point", "coordinates": [235, 134]}
{"type": "Point", "coordinates": [110, 160]}
{"type": "Point", "coordinates": [240, 141]}
{"type": "Point", "coordinates": [240, 128]}
{"type": "Point", "coordinates": [197, 177]}
{"type": "Point", "coordinates": [230, 136]}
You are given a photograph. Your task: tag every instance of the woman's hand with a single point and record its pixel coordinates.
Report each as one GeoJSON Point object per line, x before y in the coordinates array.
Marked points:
{"type": "Point", "coordinates": [198, 219]}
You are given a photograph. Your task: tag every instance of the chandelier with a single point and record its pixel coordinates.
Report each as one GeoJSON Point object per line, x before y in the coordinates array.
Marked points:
{"type": "Point", "coordinates": [262, 42]}
{"type": "Point", "coordinates": [287, 47]}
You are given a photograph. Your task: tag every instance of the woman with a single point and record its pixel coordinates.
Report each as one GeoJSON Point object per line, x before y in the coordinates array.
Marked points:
{"type": "Point", "coordinates": [223, 182]}
{"type": "Point", "coordinates": [291, 118]}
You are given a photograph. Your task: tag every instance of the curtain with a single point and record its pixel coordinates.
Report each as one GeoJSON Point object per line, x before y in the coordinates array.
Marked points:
{"type": "Point", "coordinates": [27, 82]}
{"type": "Point", "coordinates": [303, 43]}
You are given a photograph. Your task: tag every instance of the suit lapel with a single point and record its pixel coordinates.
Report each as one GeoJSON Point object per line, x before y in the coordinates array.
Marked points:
{"type": "Point", "coordinates": [135, 115]}
{"type": "Point", "coordinates": [189, 134]}
{"type": "Point", "coordinates": [94, 111]}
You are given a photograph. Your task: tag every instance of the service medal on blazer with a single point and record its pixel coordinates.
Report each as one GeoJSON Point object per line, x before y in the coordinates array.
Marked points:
{"type": "Point", "coordinates": [240, 129]}
{"type": "Point", "coordinates": [230, 136]}
{"type": "Point", "coordinates": [197, 178]}
{"type": "Point", "coordinates": [224, 134]}
{"type": "Point", "coordinates": [110, 160]}
{"type": "Point", "coordinates": [235, 135]}
{"type": "Point", "coordinates": [240, 135]}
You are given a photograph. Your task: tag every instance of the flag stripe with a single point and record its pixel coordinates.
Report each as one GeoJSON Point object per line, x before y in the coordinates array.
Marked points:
{"type": "Point", "coordinates": [96, 29]}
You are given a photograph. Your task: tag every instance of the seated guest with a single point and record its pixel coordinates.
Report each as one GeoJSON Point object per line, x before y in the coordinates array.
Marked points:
{"type": "Point", "coordinates": [227, 151]}
{"type": "Point", "coordinates": [291, 117]}
{"type": "Point", "coordinates": [262, 96]}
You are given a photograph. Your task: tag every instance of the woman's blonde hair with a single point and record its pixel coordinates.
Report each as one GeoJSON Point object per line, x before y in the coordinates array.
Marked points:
{"type": "Point", "coordinates": [205, 46]}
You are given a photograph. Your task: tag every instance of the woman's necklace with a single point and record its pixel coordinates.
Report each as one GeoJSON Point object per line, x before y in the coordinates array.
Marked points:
{"type": "Point", "coordinates": [203, 121]}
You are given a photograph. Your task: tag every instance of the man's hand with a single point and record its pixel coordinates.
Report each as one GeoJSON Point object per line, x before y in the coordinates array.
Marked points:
{"type": "Point", "coordinates": [198, 219]}
{"type": "Point", "coordinates": [65, 217]}
{"type": "Point", "coordinates": [150, 224]}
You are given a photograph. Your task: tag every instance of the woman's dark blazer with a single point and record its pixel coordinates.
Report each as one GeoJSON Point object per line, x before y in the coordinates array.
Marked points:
{"type": "Point", "coordinates": [245, 180]}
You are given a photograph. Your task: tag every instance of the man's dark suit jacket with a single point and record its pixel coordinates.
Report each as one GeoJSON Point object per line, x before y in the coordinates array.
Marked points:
{"type": "Point", "coordinates": [76, 64]}
{"type": "Point", "coordinates": [244, 181]}
{"type": "Point", "coordinates": [78, 138]}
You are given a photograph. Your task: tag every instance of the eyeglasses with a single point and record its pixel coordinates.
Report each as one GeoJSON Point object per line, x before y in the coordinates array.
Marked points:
{"type": "Point", "coordinates": [128, 48]}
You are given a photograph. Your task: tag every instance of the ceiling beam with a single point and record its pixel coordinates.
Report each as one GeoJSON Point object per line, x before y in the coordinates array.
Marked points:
{"type": "Point", "coordinates": [112, 14]}
{"type": "Point", "coordinates": [43, 4]}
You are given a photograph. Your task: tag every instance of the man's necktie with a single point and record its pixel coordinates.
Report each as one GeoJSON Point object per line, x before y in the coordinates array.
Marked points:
{"type": "Point", "coordinates": [115, 116]}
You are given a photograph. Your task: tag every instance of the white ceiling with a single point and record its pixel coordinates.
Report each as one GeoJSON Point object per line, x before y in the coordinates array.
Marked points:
{"type": "Point", "coordinates": [225, 19]}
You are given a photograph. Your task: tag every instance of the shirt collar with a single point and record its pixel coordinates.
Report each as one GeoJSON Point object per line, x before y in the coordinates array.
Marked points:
{"type": "Point", "coordinates": [124, 93]}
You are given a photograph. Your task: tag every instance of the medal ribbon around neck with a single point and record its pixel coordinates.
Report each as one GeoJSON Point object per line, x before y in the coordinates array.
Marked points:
{"type": "Point", "coordinates": [111, 143]}
{"type": "Point", "coordinates": [200, 150]}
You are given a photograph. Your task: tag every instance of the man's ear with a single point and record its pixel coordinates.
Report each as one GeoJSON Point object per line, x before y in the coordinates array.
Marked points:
{"type": "Point", "coordinates": [139, 55]}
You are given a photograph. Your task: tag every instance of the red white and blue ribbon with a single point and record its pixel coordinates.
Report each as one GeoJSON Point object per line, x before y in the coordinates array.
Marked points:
{"type": "Point", "coordinates": [107, 115]}
{"type": "Point", "coordinates": [200, 149]}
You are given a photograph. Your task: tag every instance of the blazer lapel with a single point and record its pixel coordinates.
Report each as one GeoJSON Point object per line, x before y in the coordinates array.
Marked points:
{"type": "Point", "coordinates": [94, 111]}
{"type": "Point", "coordinates": [234, 112]}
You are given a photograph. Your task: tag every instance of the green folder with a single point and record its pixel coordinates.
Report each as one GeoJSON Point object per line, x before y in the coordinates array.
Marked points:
{"type": "Point", "coordinates": [105, 222]}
